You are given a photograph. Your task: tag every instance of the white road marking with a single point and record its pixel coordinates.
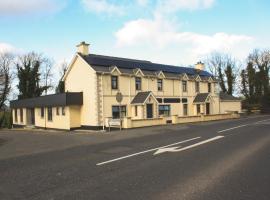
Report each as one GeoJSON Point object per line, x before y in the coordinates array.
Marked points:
{"type": "Point", "coordinates": [146, 151]}
{"type": "Point", "coordinates": [261, 121]}
{"type": "Point", "coordinates": [232, 128]}
{"type": "Point", "coordinates": [176, 149]}
{"type": "Point", "coordinates": [242, 126]}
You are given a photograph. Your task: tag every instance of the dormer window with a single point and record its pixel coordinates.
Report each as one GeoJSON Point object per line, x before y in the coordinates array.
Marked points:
{"type": "Point", "coordinates": [114, 82]}
{"type": "Point", "coordinates": [197, 86]}
{"type": "Point", "coordinates": [159, 84]}
{"type": "Point", "coordinates": [184, 86]}
{"type": "Point", "coordinates": [138, 83]}
{"type": "Point", "coordinates": [209, 87]}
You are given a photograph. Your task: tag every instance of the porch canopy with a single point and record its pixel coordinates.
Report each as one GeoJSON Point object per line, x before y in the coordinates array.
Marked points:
{"type": "Point", "coordinates": [201, 98]}
{"type": "Point", "coordinates": [142, 97]}
{"type": "Point", "coordinates": [63, 99]}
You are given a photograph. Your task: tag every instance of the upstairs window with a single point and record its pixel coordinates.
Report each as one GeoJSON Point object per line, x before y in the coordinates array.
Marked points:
{"type": "Point", "coordinates": [138, 83]}
{"type": "Point", "coordinates": [159, 84]}
{"type": "Point", "coordinates": [184, 86]}
{"type": "Point", "coordinates": [209, 87]}
{"type": "Point", "coordinates": [114, 82]}
{"type": "Point", "coordinates": [197, 87]}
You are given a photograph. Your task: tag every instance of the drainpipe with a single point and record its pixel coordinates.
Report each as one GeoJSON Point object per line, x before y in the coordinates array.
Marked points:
{"type": "Point", "coordinates": [103, 126]}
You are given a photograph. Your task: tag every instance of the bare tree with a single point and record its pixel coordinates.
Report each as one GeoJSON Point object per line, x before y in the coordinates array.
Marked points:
{"type": "Point", "coordinates": [47, 73]}
{"type": "Point", "coordinates": [226, 69]}
{"type": "Point", "coordinates": [6, 61]}
{"type": "Point", "coordinates": [62, 70]}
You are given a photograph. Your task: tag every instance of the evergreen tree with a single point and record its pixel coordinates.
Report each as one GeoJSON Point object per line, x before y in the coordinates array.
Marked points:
{"type": "Point", "coordinates": [28, 72]}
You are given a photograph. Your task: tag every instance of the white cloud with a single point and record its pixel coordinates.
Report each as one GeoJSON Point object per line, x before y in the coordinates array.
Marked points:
{"type": "Point", "coordinates": [142, 2]}
{"type": "Point", "coordinates": [103, 6]}
{"type": "Point", "coordinates": [26, 7]}
{"type": "Point", "coordinates": [7, 48]}
{"type": "Point", "coordinates": [161, 34]}
{"type": "Point", "coordinates": [170, 6]}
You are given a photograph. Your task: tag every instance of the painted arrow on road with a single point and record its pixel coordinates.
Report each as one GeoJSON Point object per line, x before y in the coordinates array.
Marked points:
{"type": "Point", "coordinates": [176, 149]}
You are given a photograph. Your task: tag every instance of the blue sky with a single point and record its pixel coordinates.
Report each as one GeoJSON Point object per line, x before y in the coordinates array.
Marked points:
{"type": "Point", "coordinates": [177, 32]}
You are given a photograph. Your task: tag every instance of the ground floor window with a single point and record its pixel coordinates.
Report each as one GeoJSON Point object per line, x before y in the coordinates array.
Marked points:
{"type": "Point", "coordinates": [164, 110]}
{"type": "Point", "coordinates": [16, 115]}
{"type": "Point", "coordinates": [63, 110]}
{"type": "Point", "coordinates": [49, 113]}
{"type": "Point", "coordinates": [116, 111]}
{"type": "Point", "coordinates": [57, 110]}
{"type": "Point", "coordinates": [42, 112]}
{"type": "Point", "coordinates": [198, 109]}
{"type": "Point", "coordinates": [136, 110]}
{"type": "Point", "coordinates": [185, 109]}
{"type": "Point", "coordinates": [21, 114]}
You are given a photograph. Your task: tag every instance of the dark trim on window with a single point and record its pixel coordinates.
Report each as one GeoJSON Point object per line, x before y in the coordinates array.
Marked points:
{"type": "Point", "coordinates": [63, 110]}
{"type": "Point", "coordinates": [21, 115]}
{"type": "Point", "coordinates": [185, 109]}
{"type": "Point", "coordinates": [57, 110]}
{"type": "Point", "coordinates": [209, 87]}
{"type": "Point", "coordinates": [114, 82]}
{"type": "Point", "coordinates": [136, 111]}
{"type": "Point", "coordinates": [50, 115]}
{"type": "Point", "coordinates": [164, 110]}
{"type": "Point", "coordinates": [42, 112]}
{"type": "Point", "coordinates": [172, 100]}
{"type": "Point", "coordinates": [116, 111]}
{"type": "Point", "coordinates": [138, 83]}
{"type": "Point", "coordinates": [160, 84]}
{"type": "Point", "coordinates": [184, 86]}
{"type": "Point", "coordinates": [16, 114]}
{"type": "Point", "coordinates": [184, 100]}
{"type": "Point", "coordinates": [159, 100]}
{"type": "Point", "coordinates": [197, 86]}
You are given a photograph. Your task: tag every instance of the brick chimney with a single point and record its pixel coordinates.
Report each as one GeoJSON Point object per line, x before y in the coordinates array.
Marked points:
{"type": "Point", "coordinates": [83, 48]}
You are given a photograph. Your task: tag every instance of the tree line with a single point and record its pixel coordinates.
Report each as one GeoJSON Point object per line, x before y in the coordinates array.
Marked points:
{"type": "Point", "coordinates": [33, 75]}
{"type": "Point", "coordinates": [248, 80]}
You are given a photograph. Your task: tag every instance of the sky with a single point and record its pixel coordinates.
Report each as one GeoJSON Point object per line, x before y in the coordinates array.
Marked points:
{"type": "Point", "coordinates": [178, 32]}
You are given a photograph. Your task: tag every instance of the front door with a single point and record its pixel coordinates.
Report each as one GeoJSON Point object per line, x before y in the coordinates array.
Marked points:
{"type": "Point", "coordinates": [207, 108]}
{"type": "Point", "coordinates": [149, 110]}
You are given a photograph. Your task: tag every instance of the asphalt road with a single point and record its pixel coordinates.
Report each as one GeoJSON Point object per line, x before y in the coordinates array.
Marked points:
{"type": "Point", "coordinates": [215, 160]}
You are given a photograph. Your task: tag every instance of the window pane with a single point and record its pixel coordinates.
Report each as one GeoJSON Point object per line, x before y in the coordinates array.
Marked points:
{"type": "Point", "coordinates": [164, 110]}
{"type": "Point", "coordinates": [114, 82]}
{"type": "Point", "coordinates": [138, 83]}
{"type": "Point", "coordinates": [160, 84]}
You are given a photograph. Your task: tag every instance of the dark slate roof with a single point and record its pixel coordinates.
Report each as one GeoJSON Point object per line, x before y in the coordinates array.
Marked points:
{"type": "Point", "coordinates": [140, 97]}
{"type": "Point", "coordinates": [108, 61]}
{"type": "Point", "coordinates": [63, 99]}
{"type": "Point", "coordinates": [226, 97]}
{"type": "Point", "coordinates": [201, 98]}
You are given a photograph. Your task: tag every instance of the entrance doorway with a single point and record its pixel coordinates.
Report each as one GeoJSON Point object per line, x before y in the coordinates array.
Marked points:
{"type": "Point", "coordinates": [31, 116]}
{"type": "Point", "coordinates": [149, 110]}
{"type": "Point", "coordinates": [208, 108]}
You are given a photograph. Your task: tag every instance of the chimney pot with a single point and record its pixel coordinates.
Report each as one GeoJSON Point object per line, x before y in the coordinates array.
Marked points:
{"type": "Point", "coordinates": [83, 48]}
{"type": "Point", "coordinates": [199, 66]}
